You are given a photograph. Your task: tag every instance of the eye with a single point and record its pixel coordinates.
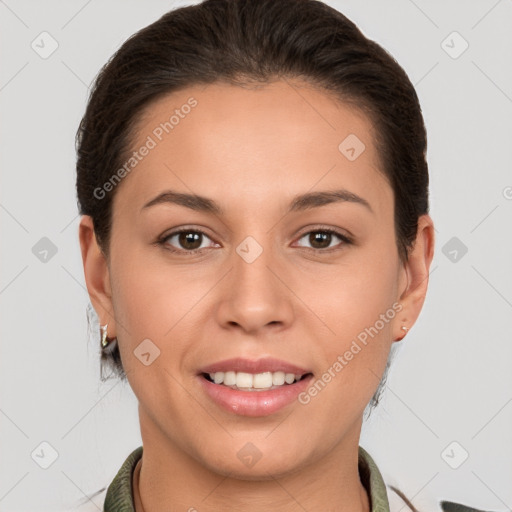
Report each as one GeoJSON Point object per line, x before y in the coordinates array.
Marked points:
{"type": "Point", "coordinates": [321, 239]}
{"type": "Point", "coordinates": [189, 240]}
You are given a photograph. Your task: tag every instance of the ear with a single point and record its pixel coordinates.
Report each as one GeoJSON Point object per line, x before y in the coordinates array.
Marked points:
{"type": "Point", "coordinates": [414, 277]}
{"type": "Point", "coordinates": [97, 277]}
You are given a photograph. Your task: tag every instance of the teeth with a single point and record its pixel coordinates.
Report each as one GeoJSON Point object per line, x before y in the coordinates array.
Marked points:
{"type": "Point", "coordinates": [262, 380]}
{"type": "Point", "coordinates": [229, 379]}
{"type": "Point", "coordinates": [244, 380]}
{"type": "Point", "coordinates": [278, 378]}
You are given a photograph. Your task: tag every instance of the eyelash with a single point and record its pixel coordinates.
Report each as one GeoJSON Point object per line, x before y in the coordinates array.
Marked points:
{"type": "Point", "coordinates": [163, 240]}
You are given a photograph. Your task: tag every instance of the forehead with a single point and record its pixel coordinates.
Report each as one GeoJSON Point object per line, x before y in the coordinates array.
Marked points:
{"type": "Point", "coordinates": [278, 139]}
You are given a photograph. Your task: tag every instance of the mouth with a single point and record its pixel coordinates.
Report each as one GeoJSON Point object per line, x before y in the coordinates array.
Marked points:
{"type": "Point", "coordinates": [253, 387]}
{"type": "Point", "coordinates": [264, 381]}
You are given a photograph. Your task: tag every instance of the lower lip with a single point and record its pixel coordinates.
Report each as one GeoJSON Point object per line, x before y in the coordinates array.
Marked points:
{"type": "Point", "coordinates": [254, 403]}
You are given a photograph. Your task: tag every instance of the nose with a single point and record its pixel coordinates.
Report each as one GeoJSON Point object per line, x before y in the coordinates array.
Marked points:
{"type": "Point", "coordinates": [254, 294]}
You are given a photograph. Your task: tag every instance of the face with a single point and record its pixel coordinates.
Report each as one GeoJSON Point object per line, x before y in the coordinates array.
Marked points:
{"type": "Point", "coordinates": [286, 268]}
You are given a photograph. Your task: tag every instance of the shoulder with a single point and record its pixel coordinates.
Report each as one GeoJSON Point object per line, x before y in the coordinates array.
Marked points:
{"type": "Point", "coordinates": [118, 496]}
{"type": "Point", "coordinates": [389, 498]}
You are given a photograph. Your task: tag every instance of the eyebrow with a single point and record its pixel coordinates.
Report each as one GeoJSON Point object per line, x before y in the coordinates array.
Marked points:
{"type": "Point", "coordinates": [299, 203]}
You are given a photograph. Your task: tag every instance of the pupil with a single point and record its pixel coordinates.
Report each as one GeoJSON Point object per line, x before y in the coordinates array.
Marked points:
{"type": "Point", "coordinates": [319, 237]}
{"type": "Point", "coordinates": [189, 238]}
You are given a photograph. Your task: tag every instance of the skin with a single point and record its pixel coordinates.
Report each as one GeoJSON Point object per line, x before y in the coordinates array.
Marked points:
{"type": "Point", "coordinates": [252, 150]}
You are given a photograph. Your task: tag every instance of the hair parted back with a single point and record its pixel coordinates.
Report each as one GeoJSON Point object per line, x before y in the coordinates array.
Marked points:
{"type": "Point", "coordinates": [245, 42]}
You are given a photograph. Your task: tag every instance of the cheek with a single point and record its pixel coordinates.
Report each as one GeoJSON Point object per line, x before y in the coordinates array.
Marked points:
{"type": "Point", "coordinates": [150, 307]}
{"type": "Point", "coordinates": [358, 303]}
{"type": "Point", "coordinates": [155, 301]}
{"type": "Point", "coordinates": [355, 295]}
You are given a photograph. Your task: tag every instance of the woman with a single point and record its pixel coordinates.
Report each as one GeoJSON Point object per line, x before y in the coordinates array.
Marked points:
{"type": "Point", "coordinates": [255, 238]}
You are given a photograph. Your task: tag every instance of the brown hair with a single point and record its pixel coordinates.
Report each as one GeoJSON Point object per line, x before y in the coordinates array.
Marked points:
{"type": "Point", "coordinates": [242, 42]}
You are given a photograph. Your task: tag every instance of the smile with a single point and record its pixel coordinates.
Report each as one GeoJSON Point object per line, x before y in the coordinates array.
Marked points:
{"type": "Point", "coordinates": [253, 387]}
{"type": "Point", "coordinates": [253, 382]}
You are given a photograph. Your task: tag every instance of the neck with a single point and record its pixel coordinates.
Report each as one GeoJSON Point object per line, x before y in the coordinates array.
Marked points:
{"type": "Point", "coordinates": [168, 475]}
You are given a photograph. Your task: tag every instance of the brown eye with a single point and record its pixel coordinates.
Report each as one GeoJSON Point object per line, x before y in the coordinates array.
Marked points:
{"type": "Point", "coordinates": [186, 240]}
{"type": "Point", "coordinates": [321, 239]}
{"type": "Point", "coordinates": [189, 240]}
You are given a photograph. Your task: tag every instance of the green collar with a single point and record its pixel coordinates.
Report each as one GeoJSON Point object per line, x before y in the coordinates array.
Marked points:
{"type": "Point", "coordinates": [119, 496]}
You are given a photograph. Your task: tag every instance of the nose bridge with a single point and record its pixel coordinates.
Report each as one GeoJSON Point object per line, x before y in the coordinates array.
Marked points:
{"type": "Point", "coordinates": [251, 261]}
{"type": "Point", "coordinates": [254, 296]}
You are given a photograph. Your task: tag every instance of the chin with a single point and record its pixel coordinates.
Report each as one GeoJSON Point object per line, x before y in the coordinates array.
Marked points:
{"type": "Point", "coordinates": [251, 464]}
{"type": "Point", "coordinates": [261, 471]}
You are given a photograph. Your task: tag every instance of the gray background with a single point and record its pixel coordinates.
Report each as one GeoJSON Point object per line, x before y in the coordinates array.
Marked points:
{"type": "Point", "coordinates": [451, 378]}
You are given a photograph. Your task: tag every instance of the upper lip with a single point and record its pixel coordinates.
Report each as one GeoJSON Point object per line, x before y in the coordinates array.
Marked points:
{"type": "Point", "coordinates": [266, 364]}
